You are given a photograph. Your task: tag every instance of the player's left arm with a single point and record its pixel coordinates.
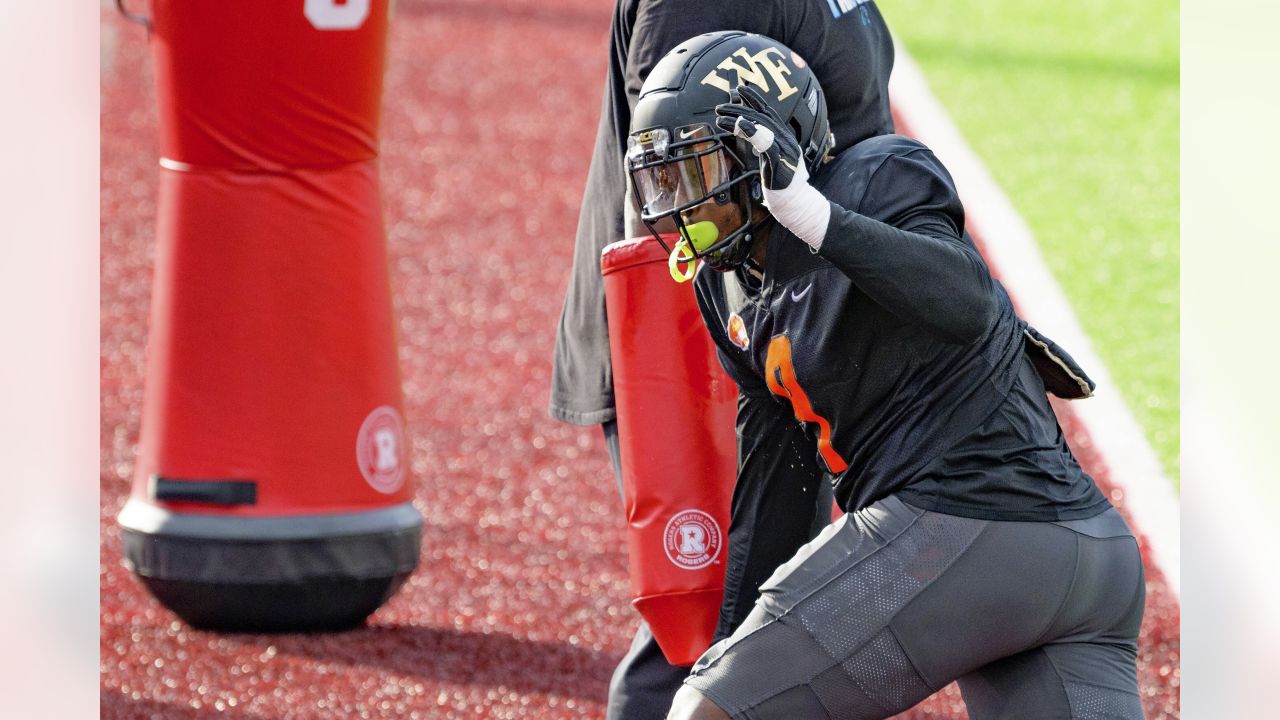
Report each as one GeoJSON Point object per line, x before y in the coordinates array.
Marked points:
{"type": "Point", "coordinates": [904, 249]}
{"type": "Point", "coordinates": [780, 501]}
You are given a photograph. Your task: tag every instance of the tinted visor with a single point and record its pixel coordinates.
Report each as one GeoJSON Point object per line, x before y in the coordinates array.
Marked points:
{"type": "Point", "coordinates": [675, 173]}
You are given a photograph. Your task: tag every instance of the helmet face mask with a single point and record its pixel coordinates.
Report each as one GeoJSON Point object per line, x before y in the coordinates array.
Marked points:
{"type": "Point", "coordinates": [678, 159]}
{"type": "Point", "coordinates": [673, 177]}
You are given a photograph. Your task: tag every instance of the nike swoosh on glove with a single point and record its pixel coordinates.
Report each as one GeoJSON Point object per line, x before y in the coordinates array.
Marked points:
{"type": "Point", "coordinates": [794, 203]}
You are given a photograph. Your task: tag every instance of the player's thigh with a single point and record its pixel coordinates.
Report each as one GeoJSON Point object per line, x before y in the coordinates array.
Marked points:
{"type": "Point", "coordinates": [1069, 681]}
{"type": "Point", "coordinates": [1086, 664]}
{"type": "Point", "coordinates": [1083, 662]}
{"type": "Point", "coordinates": [774, 669]}
{"type": "Point", "coordinates": [886, 607]}
{"type": "Point", "coordinates": [819, 643]}
{"type": "Point", "coordinates": [998, 598]}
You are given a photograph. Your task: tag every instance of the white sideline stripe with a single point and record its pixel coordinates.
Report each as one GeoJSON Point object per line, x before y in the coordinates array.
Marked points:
{"type": "Point", "coordinates": [107, 49]}
{"type": "Point", "coordinates": [1133, 466]}
{"type": "Point", "coordinates": [108, 38]}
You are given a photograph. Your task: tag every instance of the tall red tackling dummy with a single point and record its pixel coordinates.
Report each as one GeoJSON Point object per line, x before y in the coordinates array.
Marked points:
{"type": "Point", "coordinates": [272, 490]}
{"type": "Point", "coordinates": [676, 435]}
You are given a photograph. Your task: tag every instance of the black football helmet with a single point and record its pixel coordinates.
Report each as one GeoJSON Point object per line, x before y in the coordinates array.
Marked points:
{"type": "Point", "coordinates": [678, 158]}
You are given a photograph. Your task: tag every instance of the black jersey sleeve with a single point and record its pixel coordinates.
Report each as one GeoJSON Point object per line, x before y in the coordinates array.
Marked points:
{"type": "Point", "coordinates": [660, 25]}
{"type": "Point", "coordinates": [779, 502]}
{"type": "Point", "coordinates": [903, 248]}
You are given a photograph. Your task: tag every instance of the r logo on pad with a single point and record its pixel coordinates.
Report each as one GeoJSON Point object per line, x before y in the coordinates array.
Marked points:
{"type": "Point", "coordinates": [692, 539]}
{"type": "Point", "coordinates": [380, 450]}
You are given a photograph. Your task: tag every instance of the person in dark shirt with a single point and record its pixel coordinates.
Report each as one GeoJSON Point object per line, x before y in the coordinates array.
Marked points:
{"type": "Point", "coordinates": [849, 48]}
{"type": "Point", "coordinates": [860, 322]}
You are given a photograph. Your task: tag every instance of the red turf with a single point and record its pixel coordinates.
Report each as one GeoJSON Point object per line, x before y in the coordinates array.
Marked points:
{"type": "Point", "coordinates": [519, 607]}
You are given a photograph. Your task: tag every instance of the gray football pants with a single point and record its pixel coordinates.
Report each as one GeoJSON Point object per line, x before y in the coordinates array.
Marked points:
{"type": "Point", "coordinates": [890, 604]}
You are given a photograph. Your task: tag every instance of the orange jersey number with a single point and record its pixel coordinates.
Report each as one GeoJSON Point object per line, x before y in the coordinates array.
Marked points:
{"type": "Point", "coordinates": [781, 376]}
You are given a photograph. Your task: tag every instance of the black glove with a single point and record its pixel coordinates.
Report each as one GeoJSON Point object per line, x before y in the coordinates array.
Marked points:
{"type": "Point", "coordinates": [790, 198]}
{"type": "Point", "coordinates": [749, 117]}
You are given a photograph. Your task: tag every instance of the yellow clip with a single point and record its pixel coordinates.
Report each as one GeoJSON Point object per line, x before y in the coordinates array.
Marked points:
{"type": "Point", "coordinates": [682, 254]}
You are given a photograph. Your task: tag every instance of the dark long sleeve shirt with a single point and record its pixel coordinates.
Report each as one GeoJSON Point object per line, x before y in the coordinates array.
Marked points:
{"type": "Point", "coordinates": [898, 356]}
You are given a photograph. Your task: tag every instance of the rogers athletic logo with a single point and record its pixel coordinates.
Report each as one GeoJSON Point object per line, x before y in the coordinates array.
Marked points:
{"type": "Point", "coordinates": [692, 539]}
{"type": "Point", "coordinates": [380, 450]}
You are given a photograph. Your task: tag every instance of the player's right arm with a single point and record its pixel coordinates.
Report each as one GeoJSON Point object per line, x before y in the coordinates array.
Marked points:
{"type": "Point", "coordinates": [776, 501]}
{"type": "Point", "coordinates": [781, 496]}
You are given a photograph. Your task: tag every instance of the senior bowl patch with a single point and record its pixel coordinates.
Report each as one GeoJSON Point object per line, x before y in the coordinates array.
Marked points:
{"type": "Point", "coordinates": [738, 331]}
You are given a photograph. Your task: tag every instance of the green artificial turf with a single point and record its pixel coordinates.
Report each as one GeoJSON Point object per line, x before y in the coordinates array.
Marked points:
{"type": "Point", "coordinates": [1074, 108]}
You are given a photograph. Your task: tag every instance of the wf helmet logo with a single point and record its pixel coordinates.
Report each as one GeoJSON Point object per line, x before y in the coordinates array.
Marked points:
{"type": "Point", "coordinates": [756, 69]}
{"type": "Point", "coordinates": [692, 539]}
{"type": "Point", "coordinates": [380, 450]}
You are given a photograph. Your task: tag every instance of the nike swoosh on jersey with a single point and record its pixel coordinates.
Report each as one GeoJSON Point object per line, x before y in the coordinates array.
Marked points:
{"type": "Point", "coordinates": [795, 296]}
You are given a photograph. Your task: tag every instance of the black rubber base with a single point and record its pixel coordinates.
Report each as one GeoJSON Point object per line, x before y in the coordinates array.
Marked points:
{"type": "Point", "coordinates": [308, 573]}
{"type": "Point", "coordinates": [314, 606]}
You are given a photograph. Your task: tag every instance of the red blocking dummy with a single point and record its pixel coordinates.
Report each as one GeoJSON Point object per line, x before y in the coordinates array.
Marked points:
{"type": "Point", "coordinates": [272, 490]}
{"type": "Point", "coordinates": [676, 415]}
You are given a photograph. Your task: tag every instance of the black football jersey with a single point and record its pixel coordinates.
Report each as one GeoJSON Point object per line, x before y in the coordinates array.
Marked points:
{"type": "Point", "coordinates": [898, 354]}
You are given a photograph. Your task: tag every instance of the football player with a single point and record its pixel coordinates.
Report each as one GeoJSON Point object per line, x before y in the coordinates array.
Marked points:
{"type": "Point", "coordinates": [860, 322]}
{"type": "Point", "coordinates": [847, 45]}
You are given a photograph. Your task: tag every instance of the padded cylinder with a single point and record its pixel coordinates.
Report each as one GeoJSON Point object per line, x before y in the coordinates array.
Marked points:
{"type": "Point", "coordinates": [272, 490]}
{"type": "Point", "coordinates": [676, 419]}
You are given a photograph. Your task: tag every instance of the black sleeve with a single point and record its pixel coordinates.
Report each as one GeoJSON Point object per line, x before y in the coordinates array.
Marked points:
{"type": "Point", "coordinates": [904, 249]}
{"type": "Point", "coordinates": [660, 25]}
{"type": "Point", "coordinates": [778, 503]}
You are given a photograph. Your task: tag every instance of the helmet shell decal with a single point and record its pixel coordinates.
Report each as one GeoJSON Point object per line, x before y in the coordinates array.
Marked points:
{"type": "Point", "coordinates": [759, 69]}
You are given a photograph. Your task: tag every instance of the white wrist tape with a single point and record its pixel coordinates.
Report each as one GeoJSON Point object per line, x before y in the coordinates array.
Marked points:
{"type": "Point", "coordinates": [801, 209]}
{"type": "Point", "coordinates": [761, 140]}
